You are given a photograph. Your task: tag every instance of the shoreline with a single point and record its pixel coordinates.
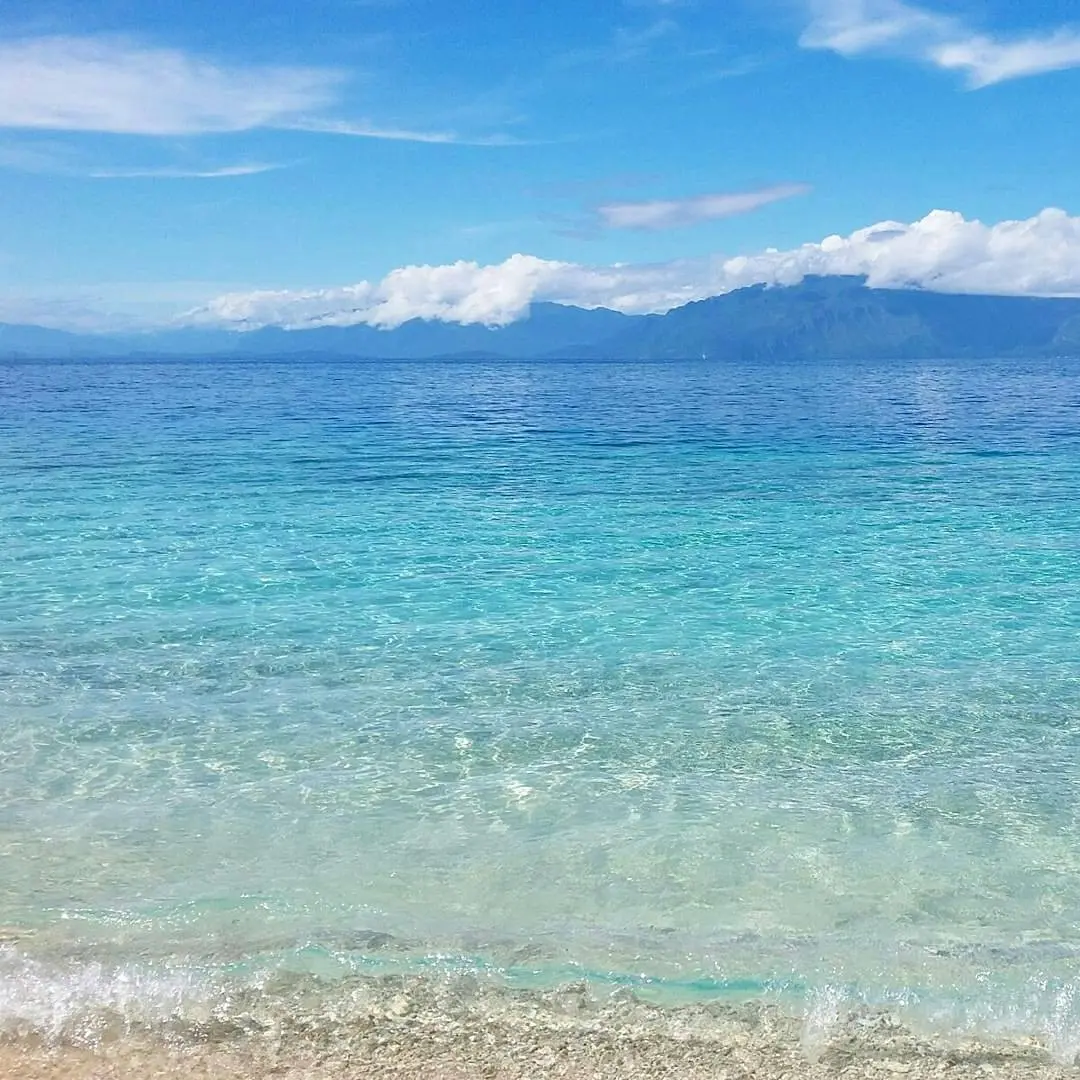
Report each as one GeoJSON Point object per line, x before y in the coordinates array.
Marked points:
{"type": "Point", "coordinates": [628, 1039]}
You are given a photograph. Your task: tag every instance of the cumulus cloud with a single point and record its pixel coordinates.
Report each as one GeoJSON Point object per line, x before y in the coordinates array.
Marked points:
{"type": "Point", "coordinates": [852, 27]}
{"type": "Point", "coordinates": [463, 292]}
{"type": "Point", "coordinates": [673, 213]}
{"type": "Point", "coordinates": [1038, 256]}
{"type": "Point", "coordinates": [943, 251]}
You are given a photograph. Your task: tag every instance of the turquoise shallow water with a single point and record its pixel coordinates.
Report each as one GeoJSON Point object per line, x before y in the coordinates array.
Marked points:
{"type": "Point", "coordinates": [704, 680]}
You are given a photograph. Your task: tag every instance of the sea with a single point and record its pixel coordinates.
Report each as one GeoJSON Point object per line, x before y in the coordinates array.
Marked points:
{"type": "Point", "coordinates": [351, 697]}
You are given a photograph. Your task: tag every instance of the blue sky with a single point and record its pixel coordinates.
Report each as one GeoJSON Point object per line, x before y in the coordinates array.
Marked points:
{"type": "Point", "coordinates": [155, 156]}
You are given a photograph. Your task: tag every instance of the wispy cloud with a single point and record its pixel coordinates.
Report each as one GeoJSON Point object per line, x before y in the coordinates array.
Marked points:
{"type": "Point", "coordinates": [118, 86]}
{"type": "Point", "coordinates": [854, 27]}
{"type": "Point", "coordinates": [373, 131]}
{"type": "Point", "coordinates": [168, 172]}
{"type": "Point", "coordinates": [986, 61]}
{"type": "Point", "coordinates": [738, 67]}
{"type": "Point", "coordinates": [125, 87]}
{"type": "Point", "coordinates": [670, 58]}
{"type": "Point", "coordinates": [626, 45]}
{"type": "Point", "coordinates": [676, 213]}
{"type": "Point", "coordinates": [55, 159]}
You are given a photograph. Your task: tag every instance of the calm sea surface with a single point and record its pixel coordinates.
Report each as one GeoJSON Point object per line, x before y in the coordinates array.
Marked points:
{"type": "Point", "coordinates": [696, 680]}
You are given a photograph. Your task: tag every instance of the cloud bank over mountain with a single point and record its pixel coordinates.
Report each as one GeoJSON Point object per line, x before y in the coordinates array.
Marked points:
{"type": "Point", "coordinates": [944, 252]}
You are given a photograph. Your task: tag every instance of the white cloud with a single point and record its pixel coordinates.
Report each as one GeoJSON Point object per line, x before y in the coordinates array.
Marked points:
{"type": "Point", "coordinates": [61, 160]}
{"type": "Point", "coordinates": [115, 85]}
{"type": "Point", "coordinates": [121, 86]}
{"type": "Point", "coordinates": [673, 213]}
{"type": "Point", "coordinates": [851, 27]}
{"type": "Point", "coordinates": [943, 251]}
{"type": "Point", "coordinates": [462, 292]}
{"type": "Point", "coordinates": [986, 61]}
{"type": "Point", "coordinates": [373, 131]}
{"type": "Point", "coordinates": [169, 172]}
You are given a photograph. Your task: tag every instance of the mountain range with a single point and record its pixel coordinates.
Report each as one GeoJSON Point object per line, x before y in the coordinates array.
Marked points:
{"type": "Point", "coordinates": [820, 318]}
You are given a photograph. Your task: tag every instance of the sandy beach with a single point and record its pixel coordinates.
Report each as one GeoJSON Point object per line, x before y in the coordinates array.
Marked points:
{"type": "Point", "coordinates": [755, 1042]}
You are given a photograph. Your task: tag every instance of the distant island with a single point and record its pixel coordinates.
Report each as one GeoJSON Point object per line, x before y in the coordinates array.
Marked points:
{"type": "Point", "coordinates": [820, 318]}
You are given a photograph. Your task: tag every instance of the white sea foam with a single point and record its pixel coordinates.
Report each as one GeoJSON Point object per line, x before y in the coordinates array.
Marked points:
{"type": "Point", "coordinates": [824, 1012]}
{"type": "Point", "coordinates": [81, 1002]}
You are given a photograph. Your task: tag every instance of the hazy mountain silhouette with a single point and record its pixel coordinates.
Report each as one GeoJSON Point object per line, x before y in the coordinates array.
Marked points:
{"type": "Point", "coordinates": [823, 317]}
{"type": "Point", "coordinates": [839, 318]}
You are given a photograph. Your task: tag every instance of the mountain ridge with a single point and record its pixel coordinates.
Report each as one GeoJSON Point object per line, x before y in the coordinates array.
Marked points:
{"type": "Point", "coordinates": [819, 318]}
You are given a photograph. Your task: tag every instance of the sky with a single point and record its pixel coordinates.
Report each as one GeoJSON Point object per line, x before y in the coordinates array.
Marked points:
{"type": "Point", "coordinates": [250, 162]}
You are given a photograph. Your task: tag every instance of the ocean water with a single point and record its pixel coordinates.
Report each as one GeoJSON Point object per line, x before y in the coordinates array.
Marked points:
{"type": "Point", "coordinates": [690, 683]}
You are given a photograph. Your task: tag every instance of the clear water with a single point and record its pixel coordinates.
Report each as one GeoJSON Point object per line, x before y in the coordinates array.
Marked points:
{"type": "Point", "coordinates": [702, 680]}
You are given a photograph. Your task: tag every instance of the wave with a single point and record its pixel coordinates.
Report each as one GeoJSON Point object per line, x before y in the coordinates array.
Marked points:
{"type": "Point", "coordinates": [456, 1017]}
